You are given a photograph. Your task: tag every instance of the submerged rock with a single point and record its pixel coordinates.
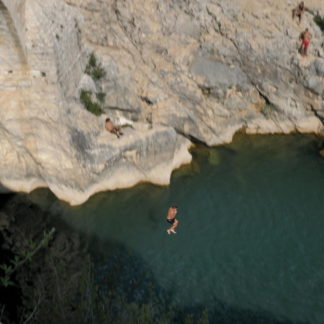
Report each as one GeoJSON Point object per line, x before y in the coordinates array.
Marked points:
{"type": "Point", "coordinates": [321, 152]}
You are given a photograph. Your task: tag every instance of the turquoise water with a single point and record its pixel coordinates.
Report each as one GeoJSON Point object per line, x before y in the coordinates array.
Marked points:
{"type": "Point", "coordinates": [249, 246]}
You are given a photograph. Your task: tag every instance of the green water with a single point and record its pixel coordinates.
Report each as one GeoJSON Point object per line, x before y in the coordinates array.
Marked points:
{"type": "Point", "coordinates": [249, 246]}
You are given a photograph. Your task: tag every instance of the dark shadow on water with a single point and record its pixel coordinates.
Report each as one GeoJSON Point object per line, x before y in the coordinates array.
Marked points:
{"type": "Point", "coordinates": [222, 313]}
{"type": "Point", "coordinates": [4, 198]}
{"type": "Point", "coordinates": [5, 195]}
{"type": "Point", "coordinates": [120, 269]}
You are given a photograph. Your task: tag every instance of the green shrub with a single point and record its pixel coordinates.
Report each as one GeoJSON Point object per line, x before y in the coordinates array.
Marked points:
{"type": "Point", "coordinates": [101, 96]}
{"type": "Point", "coordinates": [319, 21]}
{"type": "Point", "coordinates": [25, 256]}
{"type": "Point", "coordinates": [95, 69]}
{"type": "Point", "coordinates": [93, 107]}
{"type": "Point", "coordinates": [92, 61]}
{"type": "Point", "coordinates": [85, 97]}
{"type": "Point", "coordinates": [98, 73]}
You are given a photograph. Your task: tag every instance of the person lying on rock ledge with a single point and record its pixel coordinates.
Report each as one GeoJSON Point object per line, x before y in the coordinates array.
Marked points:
{"type": "Point", "coordinates": [110, 127]}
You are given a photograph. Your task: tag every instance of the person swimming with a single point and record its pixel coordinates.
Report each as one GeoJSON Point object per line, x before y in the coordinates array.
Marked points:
{"type": "Point", "coordinates": [172, 211]}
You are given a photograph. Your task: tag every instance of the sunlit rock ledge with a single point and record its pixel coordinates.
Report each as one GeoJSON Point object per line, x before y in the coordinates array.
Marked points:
{"type": "Point", "coordinates": [110, 163]}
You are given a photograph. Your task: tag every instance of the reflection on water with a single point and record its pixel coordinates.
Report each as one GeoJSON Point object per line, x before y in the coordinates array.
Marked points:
{"type": "Point", "coordinates": [249, 243]}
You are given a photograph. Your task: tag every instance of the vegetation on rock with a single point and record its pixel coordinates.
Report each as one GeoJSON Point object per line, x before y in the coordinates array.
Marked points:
{"type": "Point", "coordinates": [93, 107]}
{"type": "Point", "coordinates": [95, 69]}
{"type": "Point", "coordinates": [319, 21]}
{"type": "Point", "coordinates": [101, 96]}
{"type": "Point", "coordinates": [24, 256]}
{"type": "Point", "coordinates": [96, 72]}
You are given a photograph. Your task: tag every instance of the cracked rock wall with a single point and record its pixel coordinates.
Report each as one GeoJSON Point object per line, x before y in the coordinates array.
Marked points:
{"type": "Point", "coordinates": [208, 68]}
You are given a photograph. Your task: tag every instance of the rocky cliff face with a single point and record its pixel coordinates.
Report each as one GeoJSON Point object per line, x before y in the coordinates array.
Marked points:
{"type": "Point", "coordinates": [177, 69]}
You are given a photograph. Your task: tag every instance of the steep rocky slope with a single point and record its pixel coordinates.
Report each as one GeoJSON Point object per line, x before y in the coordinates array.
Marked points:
{"type": "Point", "coordinates": [177, 69]}
{"type": "Point", "coordinates": [207, 68]}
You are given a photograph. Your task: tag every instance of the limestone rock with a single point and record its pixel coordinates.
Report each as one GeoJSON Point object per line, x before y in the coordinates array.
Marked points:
{"type": "Point", "coordinates": [315, 84]}
{"type": "Point", "coordinates": [217, 74]}
{"type": "Point", "coordinates": [87, 84]}
{"type": "Point", "coordinates": [319, 67]}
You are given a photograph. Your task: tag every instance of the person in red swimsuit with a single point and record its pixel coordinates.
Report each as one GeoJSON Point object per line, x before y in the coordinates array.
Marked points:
{"type": "Point", "coordinates": [305, 38]}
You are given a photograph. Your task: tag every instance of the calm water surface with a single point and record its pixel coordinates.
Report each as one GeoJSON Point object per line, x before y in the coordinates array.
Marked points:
{"type": "Point", "coordinates": [250, 238]}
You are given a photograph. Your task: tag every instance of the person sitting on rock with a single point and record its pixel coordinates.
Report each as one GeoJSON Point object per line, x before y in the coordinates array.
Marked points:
{"type": "Point", "coordinates": [299, 11]}
{"type": "Point", "coordinates": [110, 127]}
{"type": "Point", "coordinates": [305, 38]}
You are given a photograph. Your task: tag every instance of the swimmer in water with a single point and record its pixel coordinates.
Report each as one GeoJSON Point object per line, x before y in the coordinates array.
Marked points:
{"type": "Point", "coordinates": [172, 211]}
